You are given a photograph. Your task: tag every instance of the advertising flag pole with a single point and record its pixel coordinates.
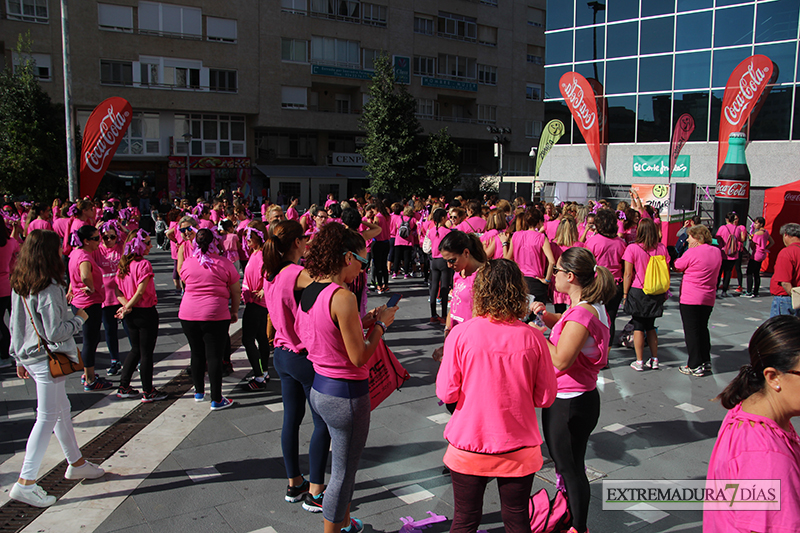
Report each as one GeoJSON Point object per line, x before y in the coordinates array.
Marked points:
{"type": "Point", "coordinates": [72, 168]}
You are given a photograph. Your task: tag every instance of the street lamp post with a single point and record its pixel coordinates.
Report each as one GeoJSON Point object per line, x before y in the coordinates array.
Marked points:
{"type": "Point", "coordinates": [499, 140]}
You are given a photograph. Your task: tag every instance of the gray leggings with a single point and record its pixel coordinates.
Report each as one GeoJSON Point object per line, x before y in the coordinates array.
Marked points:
{"type": "Point", "coordinates": [348, 424]}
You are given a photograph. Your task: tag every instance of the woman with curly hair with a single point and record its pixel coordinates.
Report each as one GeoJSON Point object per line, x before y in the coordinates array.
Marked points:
{"type": "Point", "coordinates": [332, 331]}
{"type": "Point", "coordinates": [493, 431]}
{"type": "Point", "coordinates": [579, 349]}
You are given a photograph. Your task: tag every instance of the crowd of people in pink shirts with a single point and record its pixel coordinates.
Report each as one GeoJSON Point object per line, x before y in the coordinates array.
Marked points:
{"type": "Point", "coordinates": [491, 267]}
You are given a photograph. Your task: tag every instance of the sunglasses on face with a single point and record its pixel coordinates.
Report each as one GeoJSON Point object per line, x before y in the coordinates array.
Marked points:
{"type": "Point", "coordinates": [363, 261]}
{"type": "Point", "coordinates": [187, 228]}
{"type": "Point", "coordinates": [109, 237]}
{"type": "Point", "coordinates": [452, 260]}
{"type": "Point", "coordinates": [96, 238]}
{"type": "Point", "coordinates": [556, 270]}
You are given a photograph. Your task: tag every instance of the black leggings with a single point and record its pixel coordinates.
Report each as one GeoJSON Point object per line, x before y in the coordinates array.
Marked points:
{"type": "Point", "coordinates": [612, 308]}
{"type": "Point", "coordinates": [402, 253]}
{"type": "Point", "coordinates": [254, 330]}
{"type": "Point", "coordinates": [728, 266]}
{"type": "Point", "coordinates": [142, 325]}
{"type": "Point", "coordinates": [468, 491]}
{"type": "Point", "coordinates": [91, 333]}
{"type": "Point", "coordinates": [380, 255]}
{"type": "Point", "coordinates": [753, 276]}
{"type": "Point", "coordinates": [207, 342]}
{"type": "Point", "coordinates": [441, 282]}
{"type": "Point", "coordinates": [5, 335]}
{"type": "Point", "coordinates": [112, 330]}
{"type": "Point", "coordinates": [566, 426]}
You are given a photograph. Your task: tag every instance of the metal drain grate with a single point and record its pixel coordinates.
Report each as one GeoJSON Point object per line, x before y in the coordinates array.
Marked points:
{"type": "Point", "coordinates": [15, 516]}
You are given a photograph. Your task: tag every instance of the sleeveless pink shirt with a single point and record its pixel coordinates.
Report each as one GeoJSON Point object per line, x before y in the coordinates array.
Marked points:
{"type": "Point", "coordinates": [279, 297]}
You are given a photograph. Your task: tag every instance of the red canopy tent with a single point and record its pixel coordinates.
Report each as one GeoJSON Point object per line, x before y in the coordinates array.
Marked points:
{"type": "Point", "coordinates": [781, 206]}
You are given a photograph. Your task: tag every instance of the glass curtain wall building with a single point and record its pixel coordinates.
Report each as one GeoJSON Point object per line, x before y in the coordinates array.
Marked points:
{"type": "Point", "coordinates": [658, 59]}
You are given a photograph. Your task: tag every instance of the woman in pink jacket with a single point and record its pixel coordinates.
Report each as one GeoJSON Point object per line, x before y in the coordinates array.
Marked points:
{"type": "Point", "coordinates": [493, 431]}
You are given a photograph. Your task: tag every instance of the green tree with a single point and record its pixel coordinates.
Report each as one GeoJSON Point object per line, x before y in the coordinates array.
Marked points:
{"type": "Point", "coordinates": [33, 159]}
{"type": "Point", "coordinates": [393, 146]}
{"type": "Point", "coordinates": [441, 161]}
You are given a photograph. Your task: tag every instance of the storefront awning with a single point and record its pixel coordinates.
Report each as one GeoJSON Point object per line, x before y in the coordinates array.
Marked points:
{"type": "Point", "coordinates": [290, 171]}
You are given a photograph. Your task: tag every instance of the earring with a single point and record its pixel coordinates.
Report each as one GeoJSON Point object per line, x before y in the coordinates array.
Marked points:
{"type": "Point", "coordinates": [778, 388]}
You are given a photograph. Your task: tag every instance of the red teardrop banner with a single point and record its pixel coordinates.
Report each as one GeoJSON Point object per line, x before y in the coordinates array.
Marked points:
{"type": "Point", "coordinates": [580, 100]}
{"type": "Point", "coordinates": [101, 137]}
{"type": "Point", "coordinates": [745, 85]}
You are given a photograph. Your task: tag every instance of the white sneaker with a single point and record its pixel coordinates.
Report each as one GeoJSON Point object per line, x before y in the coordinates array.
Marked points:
{"type": "Point", "coordinates": [86, 471]}
{"type": "Point", "coordinates": [32, 495]}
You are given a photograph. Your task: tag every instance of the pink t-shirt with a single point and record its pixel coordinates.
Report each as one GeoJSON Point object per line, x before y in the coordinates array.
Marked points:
{"type": "Point", "coordinates": [61, 225]}
{"type": "Point", "coordinates": [550, 229]}
{"type": "Point", "coordinates": [750, 446]}
{"type": "Point", "coordinates": [205, 223]}
{"type": "Point", "coordinates": [472, 225]}
{"type": "Point", "coordinates": [291, 214]}
{"type": "Point", "coordinates": [560, 297]}
{"type": "Point", "coordinates": [636, 255]}
{"type": "Point", "coordinates": [436, 235]}
{"type": "Point", "coordinates": [108, 261]}
{"type": "Point", "coordinates": [330, 202]}
{"type": "Point", "coordinates": [207, 289]}
{"type": "Point", "coordinates": [74, 225]}
{"type": "Point", "coordinates": [582, 375]}
{"type": "Point", "coordinates": [461, 302]}
{"type": "Point", "coordinates": [173, 245]}
{"type": "Point", "coordinates": [282, 306]}
{"type": "Point", "coordinates": [608, 253]}
{"type": "Point", "coordinates": [700, 266]}
{"type": "Point", "coordinates": [80, 299]}
{"type": "Point", "coordinates": [38, 223]}
{"type": "Point", "coordinates": [529, 253]}
{"type": "Point", "coordinates": [498, 373]}
{"type": "Point", "coordinates": [722, 237]}
{"type": "Point", "coordinates": [8, 256]}
{"type": "Point", "coordinates": [253, 280]}
{"type": "Point", "coordinates": [394, 223]}
{"type": "Point", "coordinates": [230, 245]}
{"type": "Point", "coordinates": [385, 225]}
{"type": "Point", "coordinates": [493, 235]}
{"type": "Point", "coordinates": [323, 340]}
{"type": "Point", "coordinates": [412, 227]}
{"type": "Point", "coordinates": [140, 270]}
{"type": "Point", "coordinates": [760, 243]}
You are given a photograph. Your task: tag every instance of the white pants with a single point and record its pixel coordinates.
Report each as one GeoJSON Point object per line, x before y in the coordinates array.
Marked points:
{"type": "Point", "coordinates": [52, 413]}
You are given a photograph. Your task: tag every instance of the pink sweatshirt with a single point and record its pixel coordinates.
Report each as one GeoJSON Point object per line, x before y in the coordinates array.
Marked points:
{"type": "Point", "coordinates": [750, 446]}
{"type": "Point", "coordinates": [498, 373]}
{"type": "Point", "coordinates": [760, 243]}
{"type": "Point", "coordinates": [323, 340]}
{"type": "Point", "coordinates": [279, 297]}
{"type": "Point", "coordinates": [700, 266]}
{"type": "Point", "coordinates": [140, 270]}
{"type": "Point", "coordinates": [582, 375]}
{"type": "Point", "coordinates": [529, 253]}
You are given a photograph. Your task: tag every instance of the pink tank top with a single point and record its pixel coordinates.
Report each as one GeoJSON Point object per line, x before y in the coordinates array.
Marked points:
{"type": "Point", "coordinates": [279, 297]}
{"type": "Point", "coordinates": [461, 304]}
{"type": "Point", "coordinates": [324, 341]}
{"type": "Point", "coordinates": [582, 375]}
{"type": "Point", "coordinates": [493, 235]}
{"type": "Point", "coordinates": [529, 253]}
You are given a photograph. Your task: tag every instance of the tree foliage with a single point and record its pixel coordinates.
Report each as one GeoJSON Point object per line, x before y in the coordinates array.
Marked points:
{"type": "Point", "coordinates": [399, 159]}
{"type": "Point", "coordinates": [33, 159]}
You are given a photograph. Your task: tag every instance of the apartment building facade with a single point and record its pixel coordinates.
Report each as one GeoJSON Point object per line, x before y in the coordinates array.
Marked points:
{"type": "Point", "coordinates": [268, 95]}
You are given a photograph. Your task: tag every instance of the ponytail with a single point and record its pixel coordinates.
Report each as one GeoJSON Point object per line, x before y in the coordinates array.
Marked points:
{"type": "Point", "coordinates": [457, 241]}
{"type": "Point", "coordinates": [597, 282]}
{"type": "Point", "coordinates": [278, 243]}
{"type": "Point", "coordinates": [744, 385]}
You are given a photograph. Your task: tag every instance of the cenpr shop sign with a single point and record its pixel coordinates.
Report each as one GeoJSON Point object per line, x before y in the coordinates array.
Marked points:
{"type": "Point", "coordinates": [657, 166]}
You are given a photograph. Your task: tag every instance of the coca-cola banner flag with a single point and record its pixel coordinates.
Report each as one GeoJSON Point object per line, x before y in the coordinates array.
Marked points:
{"type": "Point", "coordinates": [683, 130]}
{"type": "Point", "coordinates": [101, 137]}
{"type": "Point", "coordinates": [551, 133]}
{"type": "Point", "coordinates": [744, 87]}
{"type": "Point", "coordinates": [580, 99]}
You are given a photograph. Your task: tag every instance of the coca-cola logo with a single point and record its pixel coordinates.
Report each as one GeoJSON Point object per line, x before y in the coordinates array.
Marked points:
{"type": "Point", "coordinates": [792, 196]}
{"type": "Point", "coordinates": [111, 127]}
{"type": "Point", "coordinates": [738, 190]}
{"type": "Point", "coordinates": [575, 99]}
{"type": "Point", "coordinates": [749, 85]}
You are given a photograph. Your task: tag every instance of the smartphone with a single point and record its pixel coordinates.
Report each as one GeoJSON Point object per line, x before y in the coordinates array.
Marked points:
{"type": "Point", "coordinates": [393, 300]}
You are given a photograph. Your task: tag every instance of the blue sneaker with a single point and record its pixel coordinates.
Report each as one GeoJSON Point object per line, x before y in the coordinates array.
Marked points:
{"type": "Point", "coordinates": [199, 396]}
{"type": "Point", "coordinates": [356, 526]}
{"type": "Point", "coordinates": [224, 403]}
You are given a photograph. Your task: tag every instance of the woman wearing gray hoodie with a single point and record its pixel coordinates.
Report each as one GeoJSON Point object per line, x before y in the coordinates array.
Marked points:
{"type": "Point", "coordinates": [39, 304]}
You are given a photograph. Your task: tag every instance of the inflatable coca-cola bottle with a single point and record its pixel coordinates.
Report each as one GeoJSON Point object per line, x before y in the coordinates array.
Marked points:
{"type": "Point", "coordinates": [733, 183]}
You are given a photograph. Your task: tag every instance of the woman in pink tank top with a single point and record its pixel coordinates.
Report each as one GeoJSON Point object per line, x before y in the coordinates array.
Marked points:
{"type": "Point", "coordinates": [531, 250]}
{"type": "Point", "coordinates": [464, 253]}
{"type": "Point", "coordinates": [332, 331]}
{"type": "Point", "coordinates": [283, 280]}
{"type": "Point", "coordinates": [566, 237]}
{"type": "Point", "coordinates": [492, 244]}
{"type": "Point", "coordinates": [579, 349]}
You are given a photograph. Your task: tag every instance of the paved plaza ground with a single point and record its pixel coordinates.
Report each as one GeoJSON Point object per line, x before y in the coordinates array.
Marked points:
{"type": "Point", "coordinates": [196, 471]}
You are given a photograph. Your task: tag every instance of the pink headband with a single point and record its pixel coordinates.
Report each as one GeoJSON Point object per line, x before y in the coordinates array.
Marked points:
{"type": "Point", "coordinates": [110, 225]}
{"type": "Point", "coordinates": [137, 245]}
{"type": "Point", "coordinates": [73, 210]}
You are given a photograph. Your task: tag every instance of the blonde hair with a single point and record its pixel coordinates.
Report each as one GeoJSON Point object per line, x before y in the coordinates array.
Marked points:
{"type": "Point", "coordinates": [700, 233]}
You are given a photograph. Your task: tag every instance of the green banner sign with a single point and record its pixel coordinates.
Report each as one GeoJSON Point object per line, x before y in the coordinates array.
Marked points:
{"type": "Point", "coordinates": [657, 166]}
{"type": "Point", "coordinates": [450, 84]}
{"type": "Point", "coordinates": [402, 69]}
{"type": "Point", "coordinates": [339, 72]}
